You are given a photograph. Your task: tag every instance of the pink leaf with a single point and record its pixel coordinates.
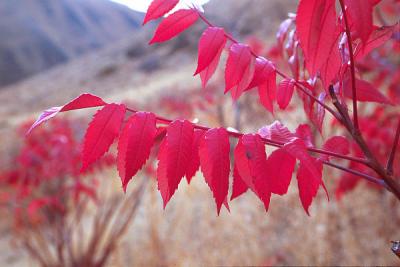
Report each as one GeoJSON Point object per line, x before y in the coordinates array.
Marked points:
{"type": "Point", "coordinates": [82, 101]}
{"type": "Point", "coordinates": [285, 93]}
{"type": "Point", "coordinates": [174, 24]}
{"type": "Point", "coordinates": [159, 8]}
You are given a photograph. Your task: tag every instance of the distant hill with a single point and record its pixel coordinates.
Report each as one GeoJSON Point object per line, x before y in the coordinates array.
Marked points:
{"type": "Point", "coordinates": [37, 34]}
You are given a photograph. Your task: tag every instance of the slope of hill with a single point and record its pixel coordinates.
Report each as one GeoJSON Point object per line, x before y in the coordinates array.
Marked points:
{"type": "Point", "coordinates": [38, 34]}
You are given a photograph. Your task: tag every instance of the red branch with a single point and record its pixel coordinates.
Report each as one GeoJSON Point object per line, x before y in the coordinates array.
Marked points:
{"type": "Point", "coordinates": [280, 144]}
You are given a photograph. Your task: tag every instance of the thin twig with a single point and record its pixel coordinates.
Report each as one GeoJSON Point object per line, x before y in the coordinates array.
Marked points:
{"type": "Point", "coordinates": [389, 166]}
{"type": "Point", "coordinates": [352, 65]}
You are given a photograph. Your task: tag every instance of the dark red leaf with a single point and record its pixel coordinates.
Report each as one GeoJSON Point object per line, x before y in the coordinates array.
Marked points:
{"type": "Point", "coordinates": [285, 93]}
{"type": "Point", "coordinates": [239, 69]}
{"type": "Point", "coordinates": [159, 8]}
{"type": "Point", "coordinates": [210, 44]}
{"type": "Point", "coordinates": [214, 161]}
{"type": "Point", "coordinates": [101, 133]}
{"type": "Point", "coordinates": [316, 26]}
{"type": "Point", "coordinates": [280, 167]}
{"type": "Point", "coordinates": [174, 24]}
{"type": "Point", "coordinates": [174, 157]}
{"type": "Point", "coordinates": [333, 63]}
{"type": "Point", "coordinates": [135, 143]}
{"type": "Point", "coordinates": [82, 101]}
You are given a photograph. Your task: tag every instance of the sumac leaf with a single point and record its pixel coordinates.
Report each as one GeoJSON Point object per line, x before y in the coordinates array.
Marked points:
{"type": "Point", "coordinates": [174, 157]}
{"type": "Point", "coordinates": [280, 167]}
{"type": "Point", "coordinates": [366, 92]}
{"type": "Point", "coordinates": [194, 163]}
{"type": "Point", "coordinates": [159, 8]}
{"type": "Point", "coordinates": [316, 26]}
{"type": "Point", "coordinates": [134, 145]}
{"type": "Point", "coordinates": [239, 187]}
{"type": "Point", "coordinates": [285, 93]}
{"type": "Point", "coordinates": [239, 70]}
{"type": "Point", "coordinates": [214, 161]}
{"type": "Point", "coordinates": [174, 24]}
{"type": "Point", "coordinates": [82, 101]}
{"type": "Point", "coordinates": [309, 182]}
{"type": "Point", "coordinates": [101, 133]}
{"type": "Point", "coordinates": [210, 44]}
{"type": "Point", "coordinates": [360, 15]}
{"type": "Point", "coordinates": [250, 162]}
{"type": "Point", "coordinates": [336, 144]}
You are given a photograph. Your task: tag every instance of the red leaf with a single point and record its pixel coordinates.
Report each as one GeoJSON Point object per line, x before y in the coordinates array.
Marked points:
{"type": "Point", "coordinates": [239, 186]}
{"type": "Point", "coordinates": [366, 92]}
{"type": "Point", "coordinates": [309, 182]}
{"type": "Point", "coordinates": [264, 69]}
{"type": "Point", "coordinates": [360, 15]}
{"type": "Point", "coordinates": [336, 144]}
{"type": "Point", "coordinates": [82, 101]}
{"type": "Point", "coordinates": [208, 72]}
{"type": "Point", "coordinates": [194, 163]}
{"type": "Point", "coordinates": [303, 132]}
{"type": "Point", "coordinates": [280, 167]}
{"type": "Point", "coordinates": [174, 24]}
{"type": "Point", "coordinates": [210, 44]}
{"type": "Point", "coordinates": [135, 143]}
{"type": "Point", "coordinates": [267, 93]}
{"type": "Point", "coordinates": [277, 132]}
{"type": "Point", "coordinates": [174, 157]}
{"type": "Point", "coordinates": [285, 93]}
{"type": "Point", "coordinates": [316, 25]}
{"type": "Point", "coordinates": [377, 38]}
{"type": "Point", "coordinates": [265, 79]}
{"type": "Point", "coordinates": [159, 8]}
{"type": "Point", "coordinates": [101, 133]}
{"type": "Point", "coordinates": [298, 149]}
{"type": "Point", "coordinates": [214, 161]}
{"type": "Point", "coordinates": [250, 162]}
{"type": "Point", "coordinates": [239, 69]}
{"type": "Point", "coordinates": [333, 63]}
